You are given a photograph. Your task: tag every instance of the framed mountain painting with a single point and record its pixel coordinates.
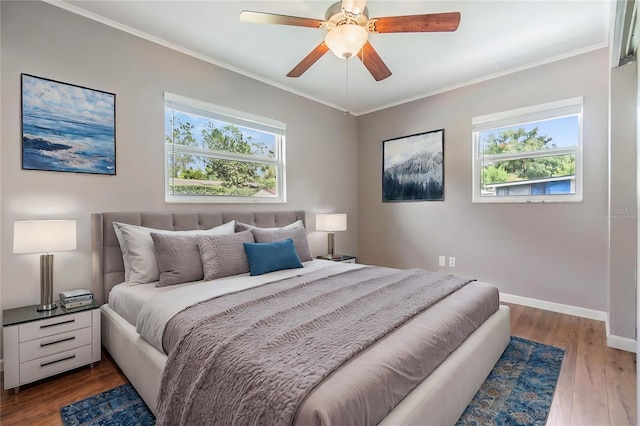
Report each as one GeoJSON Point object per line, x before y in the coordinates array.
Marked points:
{"type": "Point", "coordinates": [413, 167]}
{"type": "Point", "coordinates": [67, 128]}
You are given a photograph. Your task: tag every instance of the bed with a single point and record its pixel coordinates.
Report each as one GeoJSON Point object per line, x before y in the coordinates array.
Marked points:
{"type": "Point", "coordinates": [439, 398]}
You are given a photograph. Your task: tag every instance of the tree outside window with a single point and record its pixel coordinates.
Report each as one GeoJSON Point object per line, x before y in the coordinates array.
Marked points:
{"type": "Point", "coordinates": [530, 154]}
{"type": "Point", "coordinates": [210, 157]}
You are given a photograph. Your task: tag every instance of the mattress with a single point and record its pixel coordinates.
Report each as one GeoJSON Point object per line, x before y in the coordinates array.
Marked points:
{"type": "Point", "coordinates": [370, 385]}
{"type": "Point", "coordinates": [162, 303]}
{"type": "Point", "coordinates": [360, 389]}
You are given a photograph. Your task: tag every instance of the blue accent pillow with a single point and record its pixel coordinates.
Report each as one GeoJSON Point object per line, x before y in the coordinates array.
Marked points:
{"type": "Point", "coordinates": [269, 257]}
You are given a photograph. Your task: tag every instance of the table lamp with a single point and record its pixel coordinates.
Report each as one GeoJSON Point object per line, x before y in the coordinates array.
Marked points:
{"type": "Point", "coordinates": [44, 236]}
{"type": "Point", "coordinates": [331, 223]}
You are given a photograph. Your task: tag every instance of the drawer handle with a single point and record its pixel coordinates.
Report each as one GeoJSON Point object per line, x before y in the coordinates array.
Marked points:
{"type": "Point", "coordinates": [42, 345]}
{"type": "Point", "coordinates": [44, 364]}
{"type": "Point", "coordinates": [58, 323]}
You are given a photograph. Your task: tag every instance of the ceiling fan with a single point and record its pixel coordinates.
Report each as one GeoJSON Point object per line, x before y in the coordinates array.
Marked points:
{"type": "Point", "coordinates": [348, 27]}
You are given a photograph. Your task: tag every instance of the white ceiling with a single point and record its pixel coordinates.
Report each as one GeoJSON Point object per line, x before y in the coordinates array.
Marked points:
{"type": "Point", "coordinates": [494, 38]}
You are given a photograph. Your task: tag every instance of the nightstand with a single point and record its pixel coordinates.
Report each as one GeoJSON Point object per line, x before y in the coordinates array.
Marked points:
{"type": "Point", "coordinates": [40, 344]}
{"type": "Point", "coordinates": [341, 259]}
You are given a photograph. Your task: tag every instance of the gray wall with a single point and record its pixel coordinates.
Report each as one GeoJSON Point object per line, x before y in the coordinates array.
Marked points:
{"type": "Point", "coordinates": [554, 252]}
{"type": "Point", "coordinates": [637, 109]}
{"type": "Point", "coordinates": [622, 202]}
{"type": "Point", "coordinates": [46, 41]}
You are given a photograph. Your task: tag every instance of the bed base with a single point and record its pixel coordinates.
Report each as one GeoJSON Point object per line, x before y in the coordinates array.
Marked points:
{"type": "Point", "coordinates": [440, 399]}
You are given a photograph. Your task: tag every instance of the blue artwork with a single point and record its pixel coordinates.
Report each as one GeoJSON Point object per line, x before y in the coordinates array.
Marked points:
{"type": "Point", "coordinates": [67, 128]}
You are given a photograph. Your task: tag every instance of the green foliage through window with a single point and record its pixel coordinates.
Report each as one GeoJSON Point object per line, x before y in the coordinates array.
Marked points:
{"type": "Point", "coordinates": [529, 154]}
{"type": "Point", "coordinates": [207, 156]}
{"type": "Point", "coordinates": [543, 166]}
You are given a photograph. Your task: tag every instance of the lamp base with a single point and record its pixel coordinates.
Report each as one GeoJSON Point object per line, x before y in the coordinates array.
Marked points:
{"type": "Point", "coordinates": [46, 283]}
{"type": "Point", "coordinates": [49, 307]}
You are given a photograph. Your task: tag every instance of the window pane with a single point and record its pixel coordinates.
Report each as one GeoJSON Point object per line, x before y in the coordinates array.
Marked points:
{"type": "Point", "coordinates": [188, 129]}
{"type": "Point", "coordinates": [219, 155]}
{"type": "Point", "coordinates": [556, 133]}
{"type": "Point", "coordinates": [199, 175]}
{"type": "Point", "coordinates": [529, 154]}
{"type": "Point", "coordinates": [529, 176]}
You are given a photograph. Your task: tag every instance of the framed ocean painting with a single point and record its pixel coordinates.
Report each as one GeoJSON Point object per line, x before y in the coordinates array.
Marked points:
{"type": "Point", "coordinates": [67, 128]}
{"type": "Point", "coordinates": [413, 167]}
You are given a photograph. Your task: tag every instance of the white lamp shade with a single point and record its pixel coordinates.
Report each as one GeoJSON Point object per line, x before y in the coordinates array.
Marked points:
{"type": "Point", "coordinates": [44, 236]}
{"type": "Point", "coordinates": [346, 40]}
{"type": "Point", "coordinates": [331, 222]}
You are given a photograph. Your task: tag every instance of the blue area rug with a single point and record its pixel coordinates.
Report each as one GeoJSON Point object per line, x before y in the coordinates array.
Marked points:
{"type": "Point", "coordinates": [121, 406]}
{"type": "Point", "coordinates": [518, 391]}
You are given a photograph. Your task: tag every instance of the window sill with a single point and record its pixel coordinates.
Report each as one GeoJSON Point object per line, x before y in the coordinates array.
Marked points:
{"type": "Point", "coordinates": [222, 200]}
{"type": "Point", "coordinates": [512, 200]}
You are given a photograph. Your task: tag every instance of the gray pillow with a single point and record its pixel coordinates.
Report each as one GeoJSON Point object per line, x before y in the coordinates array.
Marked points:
{"type": "Point", "coordinates": [138, 254]}
{"type": "Point", "coordinates": [224, 255]}
{"type": "Point", "coordinates": [297, 235]}
{"type": "Point", "coordinates": [178, 258]}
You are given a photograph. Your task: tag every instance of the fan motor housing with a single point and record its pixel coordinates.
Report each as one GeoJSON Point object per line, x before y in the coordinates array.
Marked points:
{"type": "Point", "coordinates": [335, 16]}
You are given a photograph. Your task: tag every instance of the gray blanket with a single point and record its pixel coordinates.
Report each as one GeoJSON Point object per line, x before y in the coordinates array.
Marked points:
{"type": "Point", "coordinates": [253, 356]}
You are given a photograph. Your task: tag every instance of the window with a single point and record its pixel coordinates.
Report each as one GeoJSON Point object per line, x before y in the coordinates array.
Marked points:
{"type": "Point", "coordinates": [214, 154]}
{"type": "Point", "coordinates": [530, 154]}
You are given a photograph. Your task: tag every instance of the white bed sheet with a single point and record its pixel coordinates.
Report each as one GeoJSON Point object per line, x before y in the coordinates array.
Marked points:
{"type": "Point", "coordinates": [150, 308]}
{"type": "Point", "coordinates": [128, 300]}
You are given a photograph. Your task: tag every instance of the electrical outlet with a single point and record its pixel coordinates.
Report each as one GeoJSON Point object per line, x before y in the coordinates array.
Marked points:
{"type": "Point", "coordinates": [442, 261]}
{"type": "Point", "coordinates": [452, 262]}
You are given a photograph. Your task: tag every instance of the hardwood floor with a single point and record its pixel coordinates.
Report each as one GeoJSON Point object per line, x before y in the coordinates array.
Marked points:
{"type": "Point", "coordinates": [39, 403]}
{"type": "Point", "coordinates": [597, 385]}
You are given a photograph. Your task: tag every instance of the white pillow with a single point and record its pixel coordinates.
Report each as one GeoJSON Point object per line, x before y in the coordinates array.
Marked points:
{"type": "Point", "coordinates": [297, 224]}
{"type": "Point", "coordinates": [138, 252]}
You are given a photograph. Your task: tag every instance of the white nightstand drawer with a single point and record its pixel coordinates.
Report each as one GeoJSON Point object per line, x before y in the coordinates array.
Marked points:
{"type": "Point", "coordinates": [54, 364]}
{"type": "Point", "coordinates": [40, 344]}
{"type": "Point", "coordinates": [37, 329]}
{"type": "Point", "coordinates": [53, 344]}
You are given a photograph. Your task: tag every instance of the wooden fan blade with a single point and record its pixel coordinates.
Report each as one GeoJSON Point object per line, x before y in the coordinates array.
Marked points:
{"type": "Point", "coordinates": [433, 22]}
{"type": "Point", "coordinates": [309, 60]}
{"type": "Point", "coordinates": [272, 18]}
{"type": "Point", "coordinates": [373, 62]}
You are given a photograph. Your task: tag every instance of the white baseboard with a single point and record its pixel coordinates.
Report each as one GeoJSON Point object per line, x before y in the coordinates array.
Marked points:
{"type": "Point", "coordinates": [622, 343]}
{"type": "Point", "coordinates": [555, 307]}
{"type": "Point", "coordinates": [618, 342]}
{"type": "Point", "coordinates": [613, 341]}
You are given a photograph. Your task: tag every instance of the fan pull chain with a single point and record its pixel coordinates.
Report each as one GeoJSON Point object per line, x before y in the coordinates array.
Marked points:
{"type": "Point", "coordinates": [346, 112]}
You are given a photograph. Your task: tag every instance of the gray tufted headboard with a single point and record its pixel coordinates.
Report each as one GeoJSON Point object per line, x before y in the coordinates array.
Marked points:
{"type": "Point", "coordinates": [108, 267]}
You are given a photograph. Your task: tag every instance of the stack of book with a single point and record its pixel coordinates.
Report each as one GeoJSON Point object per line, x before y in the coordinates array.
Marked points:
{"type": "Point", "coordinates": [75, 298]}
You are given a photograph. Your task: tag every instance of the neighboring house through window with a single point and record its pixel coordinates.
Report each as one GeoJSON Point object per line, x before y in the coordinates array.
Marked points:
{"type": "Point", "coordinates": [531, 154]}
{"type": "Point", "coordinates": [216, 154]}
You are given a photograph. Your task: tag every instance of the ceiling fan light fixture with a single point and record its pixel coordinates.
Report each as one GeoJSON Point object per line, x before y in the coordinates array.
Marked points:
{"type": "Point", "coordinates": [346, 40]}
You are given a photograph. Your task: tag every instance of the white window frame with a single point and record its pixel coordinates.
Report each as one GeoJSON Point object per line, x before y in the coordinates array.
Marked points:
{"type": "Point", "coordinates": [230, 116]}
{"type": "Point", "coordinates": [542, 112]}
